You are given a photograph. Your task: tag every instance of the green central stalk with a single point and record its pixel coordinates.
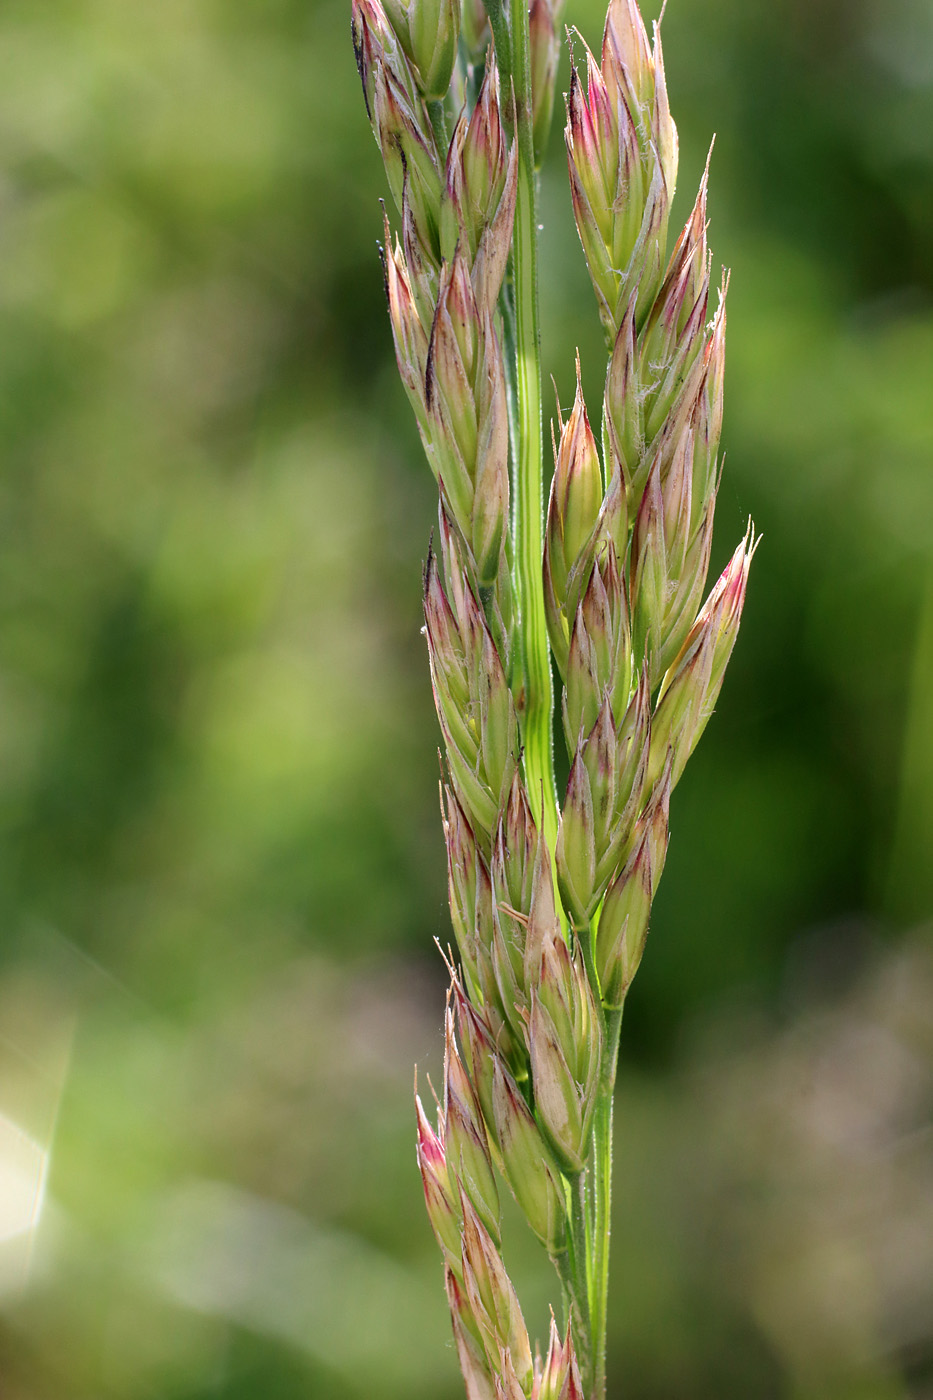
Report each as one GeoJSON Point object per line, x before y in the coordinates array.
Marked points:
{"type": "Point", "coordinates": [584, 1269]}
{"type": "Point", "coordinates": [538, 699]}
{"type": "Point", "coordinates": [601, 1197]}
{"type": "Point", "coordinates": [532, 662]}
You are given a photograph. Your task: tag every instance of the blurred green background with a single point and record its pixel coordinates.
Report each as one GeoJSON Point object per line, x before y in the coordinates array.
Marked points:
{"type": "Point", "coordinates": [221, 868]}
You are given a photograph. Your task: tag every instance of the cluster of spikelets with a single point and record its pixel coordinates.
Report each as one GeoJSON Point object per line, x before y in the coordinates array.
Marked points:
{"type": "Point", "coordinates": [549, 939]}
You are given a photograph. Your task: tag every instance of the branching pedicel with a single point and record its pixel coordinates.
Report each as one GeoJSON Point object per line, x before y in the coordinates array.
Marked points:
{"type": "Point", "coordinates": [550, 901]}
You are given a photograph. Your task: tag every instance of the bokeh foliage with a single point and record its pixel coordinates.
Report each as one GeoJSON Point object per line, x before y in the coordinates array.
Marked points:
{"type": "Point", "coordinates": [220, 861]}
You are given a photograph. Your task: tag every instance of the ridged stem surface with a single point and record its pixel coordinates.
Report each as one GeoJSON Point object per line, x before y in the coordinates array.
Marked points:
{"type": "Point", "coordinates": [601, 1206]}
{"type": "Point", "coordinates": [536, 698]}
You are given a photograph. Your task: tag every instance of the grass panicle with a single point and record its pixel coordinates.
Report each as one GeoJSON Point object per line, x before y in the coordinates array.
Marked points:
{"type": "Point", "coordinates": [550, 896]}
